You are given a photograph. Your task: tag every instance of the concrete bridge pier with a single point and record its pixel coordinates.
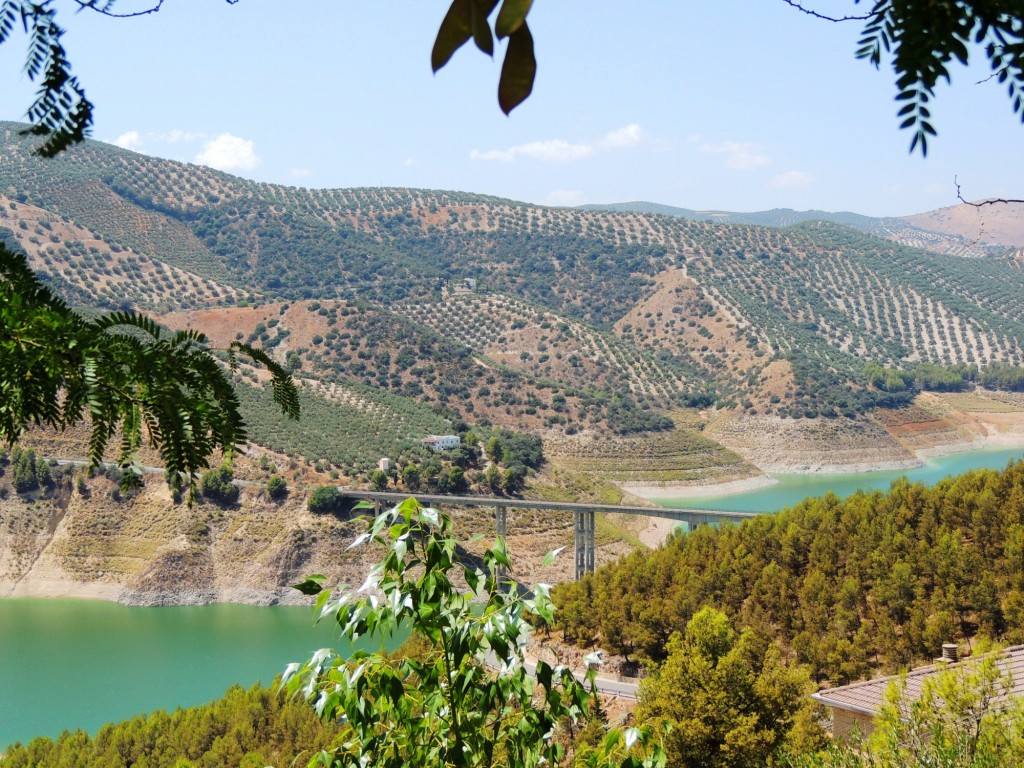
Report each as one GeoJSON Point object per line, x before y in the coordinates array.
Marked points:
{"type": "Point", "coordinates": [585, 545]}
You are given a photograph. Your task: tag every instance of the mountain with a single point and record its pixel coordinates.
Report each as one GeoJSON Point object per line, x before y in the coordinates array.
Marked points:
{"type": "Point", "coordinates": [422, 309]}
{"type": "Point", "coordinates": [962, 230]}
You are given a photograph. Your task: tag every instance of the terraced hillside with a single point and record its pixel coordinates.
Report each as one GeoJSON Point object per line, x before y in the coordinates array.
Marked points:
{"type": "Point", "coordinates": [545, 345]}
{"type": "Point", "coordinates": [961, 230]}
{"type": "Point", "coordinates": [560, 320]}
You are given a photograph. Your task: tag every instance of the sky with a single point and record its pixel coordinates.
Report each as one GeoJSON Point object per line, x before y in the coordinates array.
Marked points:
{"type": "Point", "coordinates": [737, 105]}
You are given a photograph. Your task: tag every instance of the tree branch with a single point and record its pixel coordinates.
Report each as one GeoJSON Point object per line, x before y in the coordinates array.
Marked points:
{"type": "Point", "coordinates": [993, 201]}
{"type": "Point", "coordinates": [815, 14]}
{"type": "Point", "coordinates": [107, 9]}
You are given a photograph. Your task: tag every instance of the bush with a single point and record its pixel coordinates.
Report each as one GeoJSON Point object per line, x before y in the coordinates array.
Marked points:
{"type": "Point", "coordinates": [277, 487]}
{"type": "Point", "coordinates": [218, 485]}
{"type": "Point", "coordinates": [324, 500]}
{"type": "Point", "coordinates": [23, 471]}
{"type": "Point", "coordinates": [379, 480]}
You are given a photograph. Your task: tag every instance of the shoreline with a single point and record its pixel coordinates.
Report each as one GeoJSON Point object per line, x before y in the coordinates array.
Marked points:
{"type": "Point", "coordinates": [653, 535]}
{"type": "Point", "coordinates": [660, 491]}
{"type": "Point", "coordinates": [66, 589]}
{"type": "Point", "coordinates": [667, 491]}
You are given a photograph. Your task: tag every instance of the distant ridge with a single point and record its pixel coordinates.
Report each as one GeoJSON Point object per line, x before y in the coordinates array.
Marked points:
{"type": "Point", "coordinates": [950, 230]}
{"type": "Point", "coordinates": [776, 217]}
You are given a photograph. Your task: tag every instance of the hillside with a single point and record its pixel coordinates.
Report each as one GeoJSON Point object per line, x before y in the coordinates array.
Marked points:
{"type": "Point", "coordinates": [83, 537]}
{"type": "Point", "coordinates": [961, 230]}
{"type": "Point", "coordinates": [611, 333]}
{"type": "Point", "coordinates": [1002, 224]}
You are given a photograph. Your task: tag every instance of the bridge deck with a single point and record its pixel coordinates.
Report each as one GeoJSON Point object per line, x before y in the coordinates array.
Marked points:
{"type": "Point", "coordinates": [684, 515]}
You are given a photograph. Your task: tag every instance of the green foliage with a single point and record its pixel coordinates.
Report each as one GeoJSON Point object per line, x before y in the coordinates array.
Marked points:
{"type": "Point", "coordinates": [443, 706]}
{"type": "Point", "coordinates": [325, 499]}
{"type": "Point", "coordinates": [411, 477]}
{"type": "Point", "coordinates": [1001, 376]}
{"type": "Point", "coordinates": [845, 586]}
{"type": "Point", "coordinates": [218, 485]}
{"type": "Point", "coordinates": [379, 480]}
{"type": "Point", "coordinates": [256, 727]}
{"type": "Point", "coordinates": [512, 480]}
{"type": "Point", "coordinates": [492, 477]}
{"type": "Point", "coordinates": [277, 487]}
{"type": "Point", "coordinates": [24, 475]}
{"type": "Point", "coordinates": [60, 112]}
{"type": "Point", "coordinates": [124, 371]}
{"type": "Point", "coordinates": [515, 448]}
{"type": "Point", "coordinates": [888, 379]}
{"type": "Point", "coordinates": [925, 38]}
{"type": "Point", "coordinates": [730, 699]}
{"type": "Point", "coordinates": [469, 19]}
{"type": "Point", "coordinates": [452, 480]}
{"type": "Point", "coordinates": [342, 433]}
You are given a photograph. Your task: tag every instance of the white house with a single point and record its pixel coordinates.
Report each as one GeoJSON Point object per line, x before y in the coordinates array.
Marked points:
{"type": "Point", "coordinates": [441, 442]}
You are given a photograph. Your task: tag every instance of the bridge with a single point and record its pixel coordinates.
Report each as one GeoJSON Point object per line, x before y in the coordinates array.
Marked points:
{"type": "Point", "coordinates": [583, 515]}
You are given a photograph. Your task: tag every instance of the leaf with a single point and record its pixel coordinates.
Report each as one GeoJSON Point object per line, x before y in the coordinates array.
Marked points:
{"type": "Point", "coordinates": [481, 27]}
{"type": "Point", "coordinates": [518, 70]}
{"type": "Point", "coordinates": [549, 558]}
{"type": "Point", "coordinates": [311, 586]}
{"type": "Point", "coordinates": [360, 540]}
{"type": "Point", "coordinates": [631, 735]}
{"type": "Point", "coordinates": [511, 17]}
{"type": "Point", "coordinates": [455, 30]}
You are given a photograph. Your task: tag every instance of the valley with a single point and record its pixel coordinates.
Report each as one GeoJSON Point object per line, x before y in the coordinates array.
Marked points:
{"type": "Point", "coordinates": [656, 353]}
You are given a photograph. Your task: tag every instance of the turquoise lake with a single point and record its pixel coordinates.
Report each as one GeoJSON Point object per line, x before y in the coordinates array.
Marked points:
{"type": "Point", "coordinates": [67, 664]}
{"type": "Point", "coordinates": [792, 488]}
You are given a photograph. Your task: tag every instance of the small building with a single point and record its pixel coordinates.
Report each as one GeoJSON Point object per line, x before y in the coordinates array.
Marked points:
{"type": "Point", "coordinates": [440, 443]}
{"type": "Point", "coordinates": [384, 465]}
{"type": "Point", "coordinates": [854, 707]}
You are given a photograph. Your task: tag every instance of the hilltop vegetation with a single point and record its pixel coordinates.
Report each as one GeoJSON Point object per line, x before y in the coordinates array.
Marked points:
{"type": "Point", "coordinates": [247, 728]}
{"type": "Point", "coordinates": [496, 313]}
{"type": "Point", "coordinates": [845, 587]}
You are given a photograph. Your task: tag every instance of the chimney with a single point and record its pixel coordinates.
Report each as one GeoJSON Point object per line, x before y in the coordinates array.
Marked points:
{"type": "Point", "coordinates": [950, 653]}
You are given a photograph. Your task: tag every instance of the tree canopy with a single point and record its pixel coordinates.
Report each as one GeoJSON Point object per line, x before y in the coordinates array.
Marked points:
{"type": "Point", "coordinates": [922, 39]}
{"type": "Point", "coordinates": [442, 705]}
{"type": "Point", "coordinates": [125, 372]}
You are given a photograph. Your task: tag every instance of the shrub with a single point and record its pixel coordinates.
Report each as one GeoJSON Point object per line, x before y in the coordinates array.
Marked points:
{"type": "Point", "coordinates": [324, 500]}
{"type": "Point", "coordinates": [218, 485]}
{"type": "Point", "coordinates": [277, 487]}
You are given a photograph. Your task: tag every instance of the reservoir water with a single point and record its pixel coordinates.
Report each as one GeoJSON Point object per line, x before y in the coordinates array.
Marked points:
{"type": "Point", "coordinates": [67, 664]}
{"type": "Point", "coordinates": [790, 489]}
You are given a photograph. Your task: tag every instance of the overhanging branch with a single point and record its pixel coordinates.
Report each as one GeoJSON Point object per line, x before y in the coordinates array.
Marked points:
{"type": "Point", "coordinates": [825, 17]}
{"type": "Point", "coordinates": [993, 201]}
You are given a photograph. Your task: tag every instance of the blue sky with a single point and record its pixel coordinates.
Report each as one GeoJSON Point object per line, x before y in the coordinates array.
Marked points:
{"type": "Point", "coordinates": [708, 104]}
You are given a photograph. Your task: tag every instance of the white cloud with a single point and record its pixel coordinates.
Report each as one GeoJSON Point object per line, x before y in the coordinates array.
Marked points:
{"type": "Point", "coordinates": [565, 197]}
{"type": "Point", "coordinates": [178, 136]}
{"type": "Point", "coordinates": [229, 153]}
{"type": "Point", "coordinates": [791, 180]}
{"type": "Point", "coordinates": [410, 162]}
{"type": "Point", "coordinates": [629, 136]}
{"type": "Point", "coordinates": [552, 151]}
{"type": "Point", "coordinates": [562, 151]}
{"type": "Point", "coordinates": [299, 173]}
{"type": "Point", "coordinates": [740, 156]}
{"type": "Point", "coordinates": [129, 140]}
